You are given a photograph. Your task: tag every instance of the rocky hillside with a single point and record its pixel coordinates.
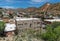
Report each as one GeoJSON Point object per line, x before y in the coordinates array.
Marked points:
{"type": "Point", "coordinates": [48, 7]}
{"type": "Point", "coordinates": [52, 8]}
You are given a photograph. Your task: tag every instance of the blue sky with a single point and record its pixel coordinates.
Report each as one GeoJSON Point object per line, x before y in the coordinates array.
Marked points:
{"type": "Point", "coordinates": [24, 3]}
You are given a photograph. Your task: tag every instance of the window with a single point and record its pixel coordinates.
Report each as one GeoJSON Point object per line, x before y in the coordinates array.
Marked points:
{"type": "Point", "coordinates": [20, 24]}
{"type": "Point", "coordinates": [38, 22]}
{"type": "Point", "coordinates": [30, 25]}
{"type": "Point", "coordinates": [34, 22]}
{"type": "Point", "coordinates": [25, 23]}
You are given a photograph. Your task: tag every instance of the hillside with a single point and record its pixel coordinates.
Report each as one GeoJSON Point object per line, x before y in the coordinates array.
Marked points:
{"type": "Point", "coordinates": [52, 8]}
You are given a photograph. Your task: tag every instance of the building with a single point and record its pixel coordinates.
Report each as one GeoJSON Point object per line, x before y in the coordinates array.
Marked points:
{"type": "Point", "coordinates": [28, 23]}
{"type": "Point", "coordinates": [49, 21]}
{"type": "Point", "coordinates": [21, 14]}
{"type": "Point", "coordinates": [19, 24]}
{"type": "Point", "coordinates": [10, 28]}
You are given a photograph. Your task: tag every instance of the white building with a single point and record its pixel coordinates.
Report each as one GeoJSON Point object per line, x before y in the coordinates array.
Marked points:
{"type": "Point", "coordinates": [10, 27]}
{"type": "Point", "coordinates": [28, 22]}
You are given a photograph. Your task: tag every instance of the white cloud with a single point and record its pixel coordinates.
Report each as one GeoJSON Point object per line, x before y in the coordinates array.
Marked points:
{"type": "Point", "coordinates": [12, 1]}
{"type": "Point", "coordinates": [8, 0]}
{"type": "Point", "coordinates": [7, 6]}
{"type": "Point", "coordinates": [37, 1]}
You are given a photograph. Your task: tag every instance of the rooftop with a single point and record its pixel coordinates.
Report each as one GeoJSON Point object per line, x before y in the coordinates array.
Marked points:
{"type": "Point", "coordinates": [52, 20]}
{"type": "Point", "coordinates": [21, 19]}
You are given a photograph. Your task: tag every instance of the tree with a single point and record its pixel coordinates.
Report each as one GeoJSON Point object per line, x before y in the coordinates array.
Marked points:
{"type": "Point", "coordinates": [52, 32]}
{"type": "Point", "coordinates": [10, 15]}
{"type": "Point", "coordinates": [2, 27]}
{"type": "Point", "coordinates": [55, 24]}
{"type": "Point", "coordinates": [1, 15]}
{"type": "Point", "coordinates": [57, 32]}
{"type": "Point", "coordinates": [49, 35]}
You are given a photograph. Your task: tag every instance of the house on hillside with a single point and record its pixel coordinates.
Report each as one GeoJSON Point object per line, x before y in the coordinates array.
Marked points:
{"type": "Point", "coordinates": [10, 28]}
{"type": "Point", "coordinates": [21, 14]}
{"type": "Point", "coordinates": [28, 23]}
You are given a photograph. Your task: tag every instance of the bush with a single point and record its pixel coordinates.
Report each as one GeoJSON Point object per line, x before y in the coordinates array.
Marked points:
{"type": "Point", "coordinates": [52, 32]}
{"type": "Point", "coordinates": [2, 26]}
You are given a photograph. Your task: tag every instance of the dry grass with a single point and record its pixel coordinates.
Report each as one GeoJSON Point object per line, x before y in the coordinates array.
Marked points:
{"type": "Point", "coordinates": [25, 35]}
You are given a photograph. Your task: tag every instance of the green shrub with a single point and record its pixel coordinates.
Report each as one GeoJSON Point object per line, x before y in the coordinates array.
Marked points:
{"type": "Point", "coordinates": [52, 32]}
{"type": "Point", "coordinates": [2, 25]}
